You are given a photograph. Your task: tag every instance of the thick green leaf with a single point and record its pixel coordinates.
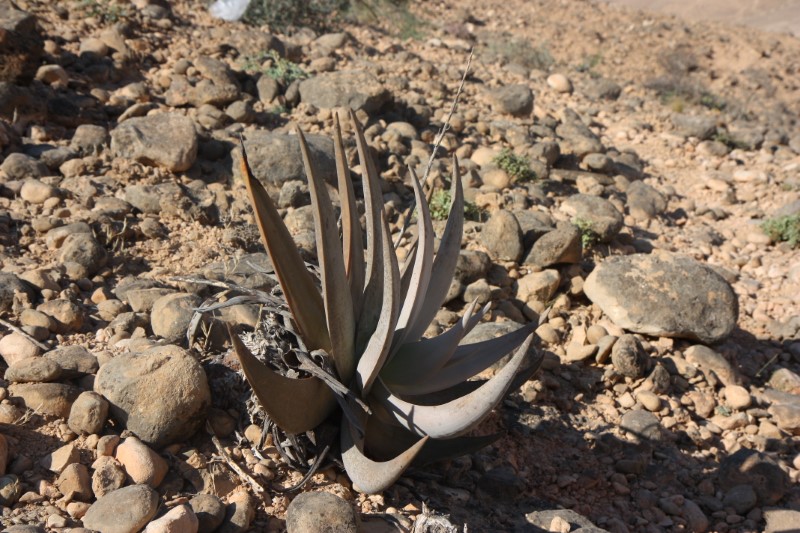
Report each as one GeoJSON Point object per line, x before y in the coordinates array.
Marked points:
{"type": "Point", "coordinates": [421, 272]}
{"type": "Point", "coordinates": [298, 285]}
{"type": "Point", "coordinates": [469, 360]}
{"type": "Point", "coordinates": [444, 265]}
{"type": "Point", "coordinates": [335, 288]}
{"type": "Point", "coordinates": [372, 476]}
{"type": "Point", "coordinates": [414, 360]}
{"type": "Point", "coordinates": [295, 405]}
{"type": "Point", "coordinates": [352, 242]}
{"type": "Point", "coordinates": [380, 341]}
{"type": "Point", "coordinates": [458, 416]}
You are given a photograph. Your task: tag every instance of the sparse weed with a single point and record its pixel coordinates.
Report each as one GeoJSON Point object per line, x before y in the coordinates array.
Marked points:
{"type": "Point", "coordinates": [590, 62]}
{"type": "Point", "coordinates": [107, 11]}
{"type": "Point", "coordinates": [440, 207]}
{"type": "Point", "coordinates": [518, 167]}
{"type": "Point", "coordinates": [403, 23]}
{"type": "Point", "coordinates": [712, 101]}
{"type": "Point", "coordinates": [725, 138]}
{"type": "Point", "coordinates": [281, 70]}
{"type": "Point", "coordinates": [283, 15]}
{"type": "Point", "coordinates": [785, 228]}
{"type": "Point", "coordinates": [520, 52]}
{"type": "Point", "coordinates": [589, 237]}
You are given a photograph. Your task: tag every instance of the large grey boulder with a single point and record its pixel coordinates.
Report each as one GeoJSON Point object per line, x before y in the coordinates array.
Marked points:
{"type": "Point", "coordinates": [275, 157]}
{"type": "Point", "coordinates": [164, 139]}
{"type": "Point", "coordinates": [356, 89]}
{"type": "Point", "coordinates": [664, 295]}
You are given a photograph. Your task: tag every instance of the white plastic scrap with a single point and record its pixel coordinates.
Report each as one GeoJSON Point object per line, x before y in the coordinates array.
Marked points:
{"type": "Point", "coordinates": [229, 9]}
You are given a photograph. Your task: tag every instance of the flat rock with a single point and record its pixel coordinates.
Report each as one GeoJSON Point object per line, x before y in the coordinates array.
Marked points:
{"type": "Point", "coordinates": [749, 467]}
{"type": "Point", "coordinates": [161, 394]}
{"type": "Point", "coordinates": [700, 126]}
{"type": "Point", "coordinates": [164, 139]}
{"type": "Point", "coordinates": [320, 511]}
{"type": "Point", "coordinates": [664, 295]}
{"type": "Point", "coordinates": [275, 157]}
{"type": "Point", "coordinates": [53, 399]}
{"type": "Point", "coordinates": [781, 520]}
{"type": "Point", "coordinates": [33, 370]}
{"type": "Point", "coordinates": [577, 522]}
{"type": "Point", "coordinates": [125, 510]}
{"type": "Point", "coordinates": [15, 347]}
{"type": "Point", "coordinates": [602, 89]}
{"type": "Point", "coordinates": [710, 361]}
{"type": "Point", "coordinates": [75, 361]}
{"type": "Point", "coordinates": [356, 89]}
{"type": "Point", "coordinates": [597, 213]}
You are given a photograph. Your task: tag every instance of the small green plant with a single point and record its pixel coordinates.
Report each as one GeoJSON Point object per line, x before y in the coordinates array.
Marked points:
{"type": "Point", "coordinates": [711, 101]}
{"type": "Point", "coordinates": [517, 167]}
{"type": "Point", "coordinates": [105, 10]}
{"type": "Point", "coordinates": [283, 15]}
{"type": "Point", "coordinates": [520, 52]}
{"type": "Point", "coordinates": [440, 207]}
{"type": "Point", "coordinates": [589, 62]}
{"type": "Point", "coordinates": [725, 138]}
{"type": "Point", "coordinates": [589, 237]}
{"type": "Point", "coordinates": [280, 69]}
{"type": "Point", "coordinates": [785, 228]}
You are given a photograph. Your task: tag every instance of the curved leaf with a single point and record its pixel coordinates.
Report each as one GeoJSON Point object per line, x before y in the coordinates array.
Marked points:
{"type": "Point", "coordinates": [415, 360]}
{"type": "Point", "coordinates": [298, 285]}
{"type": "Point", "coordinates": [384, 441]}
{"type": "Point", "coordinates": [469, 360]}
{"type": "Point", "coordinates": [335, 288]}
{"type": "Point", "coordinates": [371, 361]}
{"type": "Point", "coordinates": [372, 476]}
{"type": "Point", "coordinates": [421, 272]}
{"type": "Point", "coordinates": [457, 416]}
{"type": "Point", "coordinates": [373, 277]}
{"type": "Point", "coordinates": [444, 264]}
{"type": "Point", "coordinates": [352, 243]}
{"type": "Point", "coordinates": [295, 405]}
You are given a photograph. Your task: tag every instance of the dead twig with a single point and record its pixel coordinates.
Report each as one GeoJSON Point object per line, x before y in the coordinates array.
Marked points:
{"type": "Point", "coordinates": [244, 476]}
{"type": "Point", "coordinates": [436, 144]}
{"type": "Point", "coordinates": [17, 330]}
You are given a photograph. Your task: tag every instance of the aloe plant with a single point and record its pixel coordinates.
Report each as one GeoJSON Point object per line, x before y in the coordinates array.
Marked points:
{"type": "Point", "coordinates": [404, 397]}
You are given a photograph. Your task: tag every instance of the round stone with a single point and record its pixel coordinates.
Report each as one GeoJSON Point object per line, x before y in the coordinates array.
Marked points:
{"type": "Point", "coordinates": [320, 511]}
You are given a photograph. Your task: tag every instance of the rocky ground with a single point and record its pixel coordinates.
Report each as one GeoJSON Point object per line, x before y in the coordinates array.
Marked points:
{"type": "Point", "coordinates": [650, 151]}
